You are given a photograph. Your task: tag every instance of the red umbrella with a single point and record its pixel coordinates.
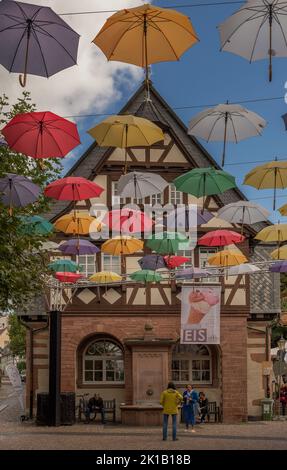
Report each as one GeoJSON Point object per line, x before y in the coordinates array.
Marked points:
{"type": "Point", "coordinates": [175, 261]}
{"type": "Point", "coordinates": [41, 135]}
{"type": "Point", "coordinates": [128, 221]}
{"type": "Point", "coordinates": [73, 188]}
{"type": "Point", "coordinates": [220, 238]}
{"type": "Point", "coordinates": [68, 277]}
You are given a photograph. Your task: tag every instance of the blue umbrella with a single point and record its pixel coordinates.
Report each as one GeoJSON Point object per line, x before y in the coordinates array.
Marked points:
{"type": "Point", "coordinates": [37, 40]}
{"type": "Point", "coordinates": [78, 246]}
{"type": "Point", "coordinates": [152, 262]}
{"type": "Point", "coordinates": [17, 191]}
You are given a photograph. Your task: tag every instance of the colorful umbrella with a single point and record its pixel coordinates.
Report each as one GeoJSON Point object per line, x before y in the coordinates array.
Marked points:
{"type": "Point", "coordinates": [227, 258]}
{"type": "Point", "coordinates": [79, 224]}
{"type": "Point", "coordinates": [73, 188]}
{"type": "Point", "coordinates": [37, 40]}
{"type": "Point", "coordinates": [126, 131]}
{"type": "Point", "coordinates": [122, 245]}
{"type": "Point", "coordinates": [246, 268]}
{"type": "Point", "coordinates": [279, 253]}
{"type": "Point", "coordinates": [173, 262]}
{"type": "Point", "coordinates": [227, 123]}
{"type": "Point", "coordinates": [273, 233]}
{"type": "Point", "coordinates": [68, 277]}
{"type": "Point", "coordinates": [256, 31]}
{"type": "Point", "coordinates": [220, 238]}
{"type": "Point", "coordinates": [146, 275]}
{"type": "Point", "coordinates": [152, 262]}
{"type": "Point", "coordinates": [187, 218]}
{"type": "Point", "coordinates": [36, 225]}
{"type": "Point", "coordinates": [279, 267]}
{"type": "Point", "coordinates": [192, 273]}
{"type": "Point", "coordinates": [128, 221]}
{"type": "Point", "coordinates": [146, 35]}
{"type": "Point", "coordinates": [64, 265]}
{"type": "Point", "coordinates": [204, 182]}
{"type": "Point", "coordinates": [140, 185]}
{"type": "Point", "coordinates": [283, 210]}
{"type": "Point", "coordinates": [243, 212]}
{"type": "Point", "coordinates": [271, 175]}
{"type": "Point", "coordinates": [49, 246]}
{"type": "Point", "coordinates": [41, 134]}
{"type": "Point", "coordinates": [105, 277]}
{"type": "Point", "coordinates": [77, 246]}
{"type": "Point", "coordinates": [17, 191]}
{"type": "Point", "coordinates": [166, 242]}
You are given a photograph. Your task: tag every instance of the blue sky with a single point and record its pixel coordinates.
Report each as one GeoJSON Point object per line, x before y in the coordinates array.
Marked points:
{"type": "Point", "coordinates": [204, 75]}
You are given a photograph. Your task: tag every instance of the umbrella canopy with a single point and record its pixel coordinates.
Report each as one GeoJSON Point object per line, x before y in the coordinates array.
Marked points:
{"type": "Point", "coordinates": [246, 268]}
{"type": "Point", "coordinates": [71, 224]}
{"type": "Point", "coordinates": [227, 258]}
{"type": "Point", "coordinates": [77, 246]}
{"type": "Point", "coordinates": [227, 123]}
{"type": "Point", "coordinates": [38, 41]}
{"type": "Point", "coordinates": [49, 246]}
{"type": "Point", "coordinates": [128, 221]}
{"type": "Point", "coordinates": [186, 218]}
{"type": "Point", "coordinates": [273, 233]}
{"type": "Point", "coordinates": [140, 185]}
{"type": "Point", "coordinates": [271, 175]}
{"type": "Point", "coordinates": [73, 188]}
{"type": "Point", "coordinates": [36, 225]}
{"type": "Point", "coordinates": [105, 277]}
{"type": "Point", "coordinates": [68, 277]}
{"type": "Point", "coordinates": [256, 31]}
{"type": "Point", "coordinates": [145, 35]}
{"type": "Point", "coordinates": [220, 238]}
{"type": "Point", "coordinates": [41, 135]}
{"type": "Point", "coordinates": [152, 262]}
{"type": "Point", "coordinates": [204, 182]}
{"type": "Point", "coordinates": [243, 212]}
{"type": "Point", "coordinates": [64, 265]}
{"type": "Point", "coordinates": [192, 273]}
{"type": "Point", "coordinates": [17, 191]}
{"type": "Point", "coordinates": [122, 245]}
{"type": "Point", "coordinates": [146, 275]}
{"type": "Point", "coordinates": [279, 253]}
{"type": "Point", "coordinates": [166, 242]}
{"type": "Point", "coordinates": [279, 267]}
{"type": "Point", "coordinates": [175, 261]}
{"type": "Point", "coordinates": [283, 209]}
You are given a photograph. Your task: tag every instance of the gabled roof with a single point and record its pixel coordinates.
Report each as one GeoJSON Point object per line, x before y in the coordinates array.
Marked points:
{"type": "Point", "coordinates": [90, 162]}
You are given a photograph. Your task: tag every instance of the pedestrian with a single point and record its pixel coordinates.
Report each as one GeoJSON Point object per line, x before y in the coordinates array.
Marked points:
{"type": "Point", "coordinates": [170, 400]}
{"type": "Point", "coordinates": [95, 404]}
{"type": "Point", "coordinates": [203, 404]}
{"type": "Point", "coordinates": [190, 402]}
{"type": "Point", "coordinates": [283, 398]}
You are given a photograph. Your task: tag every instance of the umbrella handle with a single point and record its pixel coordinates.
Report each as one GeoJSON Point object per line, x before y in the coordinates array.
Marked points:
{"type": "Point", "coordinates": [146, 59]}
{"type": "Point", "coordinates": [23, 78]}
{"type": "Point", "coordinates": [270, 41]}
{"type": "Point", "coordinates": [224, 140]}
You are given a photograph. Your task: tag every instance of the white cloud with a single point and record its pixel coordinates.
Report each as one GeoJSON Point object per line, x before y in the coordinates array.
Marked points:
{"type": "Point", "coordinates": [92, 85]}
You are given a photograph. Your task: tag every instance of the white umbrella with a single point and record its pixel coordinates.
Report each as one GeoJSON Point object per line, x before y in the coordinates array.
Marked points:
{"type": "Point", "coordinates": [227, 123]}
{"type": "Point", "coordinates": [246, 268]}
{"type": "Point", "coordinates": [243, 212]}
{"type": "Point", "coordinates": [258, 30]}
{"type": "Point", "coordinates": [140, 185]}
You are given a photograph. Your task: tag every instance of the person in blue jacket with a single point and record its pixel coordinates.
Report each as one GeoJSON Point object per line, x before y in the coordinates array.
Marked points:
{"type": "Point", "coordinates": [190, 400]}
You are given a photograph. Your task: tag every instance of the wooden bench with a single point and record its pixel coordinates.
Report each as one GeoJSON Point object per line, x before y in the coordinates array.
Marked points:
{"type": "Point", "coordinates": [110, 408]}
{"type": "Point", "coordinates": [213, 410]}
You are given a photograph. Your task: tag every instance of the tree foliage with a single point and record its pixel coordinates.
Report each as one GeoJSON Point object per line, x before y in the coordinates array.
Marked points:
{"type": "Point", "coordinates": [21, 262]}
{"type": "Point", "coordinates": [17, 336]}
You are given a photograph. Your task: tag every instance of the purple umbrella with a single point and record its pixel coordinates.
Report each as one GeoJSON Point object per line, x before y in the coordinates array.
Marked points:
{"type": "Point", "coordinates": [17, 191]}
{"type": "Point", "coordinates": [184, 218]}
{"type": "Point", "coordinates": [78, 246]}
{"type": "Point", "coordinates": [37, 40]}
{"type": "Point", "coordinates": [152, 262]}
{"type": "Point", "coordinates": [279, 267]}
{"type": "Point", "coordinates": [191, 273]}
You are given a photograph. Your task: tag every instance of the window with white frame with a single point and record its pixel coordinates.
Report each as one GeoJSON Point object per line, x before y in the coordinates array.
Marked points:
{"type": "Point", "coordinates": [191, 364]}
{"type": "Point", "coordinates": [116, 199]}
{"type": "Point", "coordinates": [175, 197]}
{"type": "Point", "coordinates": [87, 263]}
{"type": "Point", "coordinates": [156, 199]}
{"type": "Point", "coordinates": [111, 263]}
{"type": "Point", "coordinates": [103, 362]}
{"type": "Point", "coordinates": [188, 254]}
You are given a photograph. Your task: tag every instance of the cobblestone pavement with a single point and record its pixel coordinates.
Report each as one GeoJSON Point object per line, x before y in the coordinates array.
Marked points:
{"type": "Point", "coordinates": [28, 436]}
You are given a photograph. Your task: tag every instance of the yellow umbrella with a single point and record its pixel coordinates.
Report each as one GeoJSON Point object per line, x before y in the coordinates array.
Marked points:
{"type": "Point", "coordinates": [272, 175]}
{"type": "Point", "coordinates": [105, 277]}
{"type": "Point", "coordinates": [79, 225]}
{"type": "Point", "coordinates": [126, 131]}
{"type": "Point", "coordinates": [283, 209]}
{"type": "Point", "coordinates": [146, 35]}
{"type": "Point", "coordinates": [279, 253]}
{"type": "Point", "coordinates": [273, 233]}
{"type": "Point", "coordinates": [122, 245]}
{"type": "Point", "coordinates": [227, 258]}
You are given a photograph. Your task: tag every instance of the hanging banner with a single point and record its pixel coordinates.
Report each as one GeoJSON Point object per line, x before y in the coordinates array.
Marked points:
{"type": "Point", "coordinates": [200, 315]}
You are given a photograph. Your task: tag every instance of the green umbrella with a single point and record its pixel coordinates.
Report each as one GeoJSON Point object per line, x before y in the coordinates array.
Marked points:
{"type": "Point", "coordinates": [146, 275]}
{"type": "Point", "coordinates": [204, 182]}
{"type": "Point", "coordinates": [36, 225]}
{"type": "Point", "coordinates": [64, 265]}
{"type": "Point", "coordinates": [166, 243]}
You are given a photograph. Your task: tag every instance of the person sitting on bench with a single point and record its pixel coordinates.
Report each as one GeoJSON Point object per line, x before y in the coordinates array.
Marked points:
{"type": "Point", "coordinates": [95, 404]}
{"type": "Point", "coordinates": [203, 404]}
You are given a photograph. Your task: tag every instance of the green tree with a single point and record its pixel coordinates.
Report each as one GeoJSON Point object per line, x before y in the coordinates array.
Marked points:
{"type": "Point", "coordinates": [17, 336]}
{"type": "Point", "coordinates": [22, 265]}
